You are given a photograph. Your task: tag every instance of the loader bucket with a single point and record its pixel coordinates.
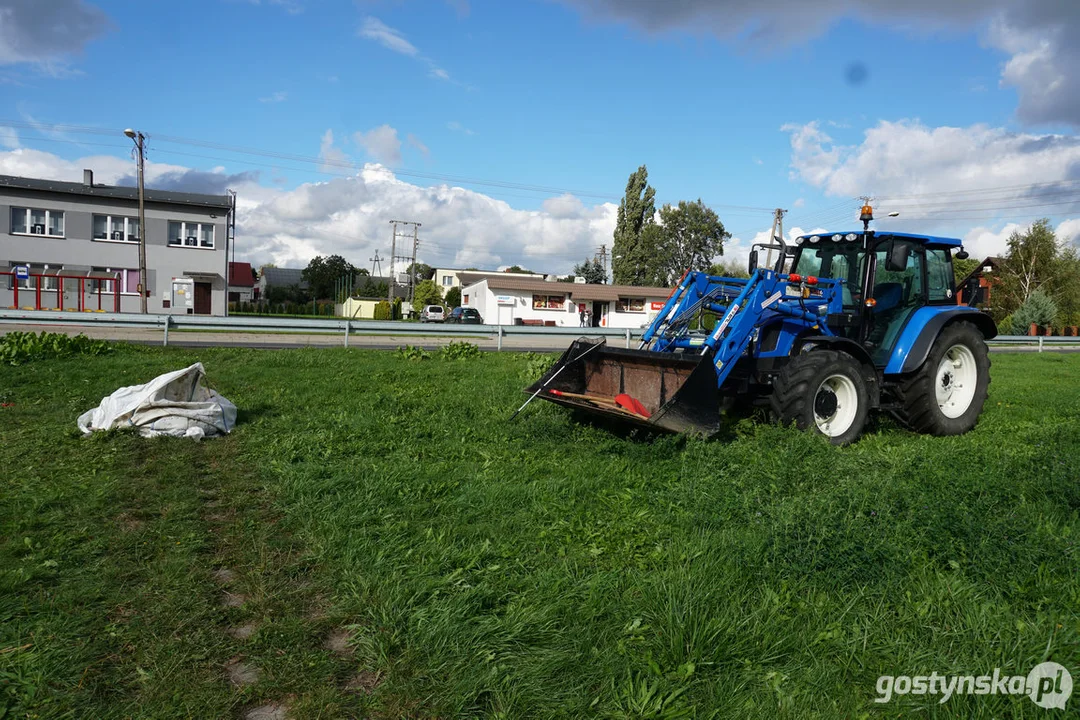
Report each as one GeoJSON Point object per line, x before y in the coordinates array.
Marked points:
{"type": "Point", "coordinates": [678, 391]}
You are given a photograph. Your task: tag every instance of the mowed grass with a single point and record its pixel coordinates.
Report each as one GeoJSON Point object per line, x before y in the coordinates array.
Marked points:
{"type": "Point", "coordinates": [539, 568]}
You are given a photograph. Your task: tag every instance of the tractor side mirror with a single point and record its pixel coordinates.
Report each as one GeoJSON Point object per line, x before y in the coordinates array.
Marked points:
{"type": "Point", "coordinates": [752, 265]}
{"type": "Point", "coordinates": [962, 254]}
{"type": "Point", "coordinates": [897, 257]}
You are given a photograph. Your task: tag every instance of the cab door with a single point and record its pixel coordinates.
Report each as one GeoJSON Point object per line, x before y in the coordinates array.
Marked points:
{"type": "Point", "coordinates": [899, 290]}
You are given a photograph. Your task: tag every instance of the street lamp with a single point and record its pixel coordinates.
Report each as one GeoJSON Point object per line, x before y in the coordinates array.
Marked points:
{"type": "Point", "coordinates": [139, 140]}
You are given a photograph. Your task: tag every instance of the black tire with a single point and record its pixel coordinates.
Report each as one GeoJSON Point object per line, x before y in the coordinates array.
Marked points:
{"type": "Point", "coordinates": [800, 394]}
{"type": "Point", "coordinates": [921, 410]}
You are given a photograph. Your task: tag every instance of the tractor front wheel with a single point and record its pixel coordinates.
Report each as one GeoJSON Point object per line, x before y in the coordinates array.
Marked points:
{"type": "Point", "coordinates": [822, 391]}
{"type": "Point", "coordinates": [945, 396]}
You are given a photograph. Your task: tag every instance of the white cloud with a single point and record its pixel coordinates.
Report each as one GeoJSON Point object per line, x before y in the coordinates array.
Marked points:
{"type": "Point", "coordinates": [9, 138]}
{"type": "Point", "coordinates": [414, 142]}
{"type": "Point", "coordinates": [1042, 37]}
{"type": "Point", "coordinates": [348, 216]}
{"type": "Point", "coordinates": [390, 38]}
{"type": "Point", "coordinates": [458, 127]}
{"type": "Point", "coordinates": [331, 156]}
{"type": "Point", "coordinates": [1069, 231]}
{"type": "Point", "coordinates": [798, 203]}
{"type": "Point", "coordinates": [381, 143]}
{"type": "Point", "coordinates": [393, 39]}
{"type": "Point", "coordinates": [899, 160]}
{"type": "Point", "coordinates": [276, 97]}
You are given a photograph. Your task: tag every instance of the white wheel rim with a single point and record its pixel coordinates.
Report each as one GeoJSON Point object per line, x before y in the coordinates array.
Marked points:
{"type": "Point", "coordinates": [839, 421]}
{"type": "Point", "coordinates": [955, 381]}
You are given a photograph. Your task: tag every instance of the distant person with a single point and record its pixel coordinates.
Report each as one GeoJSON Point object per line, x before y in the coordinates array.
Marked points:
{"type": "Point", "coordinates": [588, 318]}
{"type": "Point", "coordinates": [581, 316]}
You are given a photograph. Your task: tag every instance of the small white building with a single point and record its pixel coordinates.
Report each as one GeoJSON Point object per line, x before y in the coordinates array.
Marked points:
{"type": "Point", "coordinates": [447, 278]}
{"type": "Point", "coordinates": [516, 300]}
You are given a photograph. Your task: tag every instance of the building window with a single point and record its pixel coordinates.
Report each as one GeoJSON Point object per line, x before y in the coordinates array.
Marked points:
{"type": "Point", "coordinates": [187, 234]}
{"type": "Point", "coordinates": [464, 299]}
{"type": "Point", "coordinates": [111, 227]}
{"type": "Point", "coordinates": [448, 280]}
{"type": "Point", "coordinates": [630, 305]}
{"type": "Point", "coordinates": [32, 221]}
{"type": "Point", "coordinates": [549, 302]}
{"type": "Point", "coordinates": [129, 280]}
{"type": "Point", "coordinates": [47, 283]}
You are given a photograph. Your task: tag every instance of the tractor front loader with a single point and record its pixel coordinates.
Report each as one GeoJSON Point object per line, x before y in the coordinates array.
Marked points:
{"type": "Point", "coordinates": [862, 321]}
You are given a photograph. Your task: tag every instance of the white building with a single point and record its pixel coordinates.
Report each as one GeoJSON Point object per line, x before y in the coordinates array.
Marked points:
{"type": "Point", "coordinates": [447, 278]}
{"type": "Point", "coordinates": [515, 300]}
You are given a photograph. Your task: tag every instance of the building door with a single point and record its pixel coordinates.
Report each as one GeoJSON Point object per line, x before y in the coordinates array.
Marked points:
{"type": "Point", "coordinates": [202, 298]}
{"type": "Point", "coordinates": [599, 309]}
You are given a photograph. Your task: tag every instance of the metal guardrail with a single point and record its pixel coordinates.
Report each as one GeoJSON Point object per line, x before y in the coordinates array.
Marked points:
{"type": "Point", "coordinates": [346, 327]}
{"type": "Point", "coordinates": [330, 326]}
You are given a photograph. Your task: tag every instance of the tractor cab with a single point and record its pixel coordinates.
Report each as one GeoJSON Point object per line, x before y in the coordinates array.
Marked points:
{"type": "Point", "coordinates": [905, 272]}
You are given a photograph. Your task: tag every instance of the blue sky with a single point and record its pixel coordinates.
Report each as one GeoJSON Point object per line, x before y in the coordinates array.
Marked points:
{"type": "Point", "coordinates": [734, 102]}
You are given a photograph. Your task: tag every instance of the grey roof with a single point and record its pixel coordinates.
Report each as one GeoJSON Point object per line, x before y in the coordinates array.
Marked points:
{"type": "Point", "coordinates": [283, 277]}
{"type": "Point", "coordinates": [116, 192]}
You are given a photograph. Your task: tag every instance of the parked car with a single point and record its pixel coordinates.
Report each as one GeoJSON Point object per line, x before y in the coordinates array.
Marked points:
{"type": "Point", "coordinates": [465, 316]}
{"type": "Point", "coordinates": [432, 313]}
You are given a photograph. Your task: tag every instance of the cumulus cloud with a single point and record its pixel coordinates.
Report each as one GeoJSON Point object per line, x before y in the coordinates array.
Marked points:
{"type": "Point", "coordinates": [920, 169]}
{"type": "Point", "coordinates": [381, 143]}
{"type": "Point", "coordinates": [349, 215]}
{"type": "Point", "coordinates": [46, 34]}
{"type": "Point", "coordinates": [276, 97]}
{"type": "Point", "coordinates": [1041, 36]}
{"type": "Point", "coordinates": [332, 157]}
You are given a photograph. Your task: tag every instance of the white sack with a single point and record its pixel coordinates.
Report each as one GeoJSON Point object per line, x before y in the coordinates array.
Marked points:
{"type": "Point", "coordinates": [175, 403]}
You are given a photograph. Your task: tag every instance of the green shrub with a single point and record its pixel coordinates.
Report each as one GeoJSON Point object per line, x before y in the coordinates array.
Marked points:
{"type": "Point", "coordinates": [413, 353]}
{"type": "Point", "coordinates": [537, 364]}
{"type": "Point", "coordinates": [1005, 327]}
{"type": "Point", "coordinates": [382, 311]}
{"type": "Point", "coordinates": [1039, 308]}
{"type": "Point", "coordinates": [17, 348]}
{"type": "Point", "coordinates": [459, 350]}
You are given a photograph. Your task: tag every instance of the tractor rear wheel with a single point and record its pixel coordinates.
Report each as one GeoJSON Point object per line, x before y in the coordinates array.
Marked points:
{"type": "Point", "coordinates": [822, 391]}
{"type": "Point", "coordinates": [945, 396]}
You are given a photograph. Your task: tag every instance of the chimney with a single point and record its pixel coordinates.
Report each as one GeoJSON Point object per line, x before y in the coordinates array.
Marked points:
{"type": "Point", "coordinates": [88, 178]}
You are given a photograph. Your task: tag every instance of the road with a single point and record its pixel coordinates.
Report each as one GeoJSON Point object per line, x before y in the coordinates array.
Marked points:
{"type": "Point", "coordinates": [283, 341]}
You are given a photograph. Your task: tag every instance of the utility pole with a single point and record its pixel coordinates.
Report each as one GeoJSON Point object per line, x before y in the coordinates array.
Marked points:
{"type": "Point", "coordinates": [412, 267]}
{"type": "Point", "coordinates": [777, 231]}
{"type": "Point", "coordinates": [602, 252]}
{"type": "Point", "coordinates": [376, 262]}
{"type": "Point", "coordinates": [394, 257]}
{"type": "Point", "coordinates": [140, 147]}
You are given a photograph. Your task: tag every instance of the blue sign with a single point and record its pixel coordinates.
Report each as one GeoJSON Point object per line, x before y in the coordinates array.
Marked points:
{"type": "Point", "coordinates": [22, 272]}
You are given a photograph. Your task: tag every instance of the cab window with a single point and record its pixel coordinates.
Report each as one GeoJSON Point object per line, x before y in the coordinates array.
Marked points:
{"type": "Point", "coordinates": [939, 275]}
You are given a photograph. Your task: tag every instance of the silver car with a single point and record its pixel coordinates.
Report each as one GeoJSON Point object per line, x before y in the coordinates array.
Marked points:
{"type": "Point", "coordinates": [432, 313]}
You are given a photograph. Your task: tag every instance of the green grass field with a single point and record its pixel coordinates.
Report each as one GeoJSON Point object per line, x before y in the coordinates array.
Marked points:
{"type": "Point", "coordinates": [534, 569]}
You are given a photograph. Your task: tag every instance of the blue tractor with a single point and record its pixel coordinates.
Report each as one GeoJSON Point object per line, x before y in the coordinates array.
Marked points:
{"type": "Point", "coordinates": [842, 324]}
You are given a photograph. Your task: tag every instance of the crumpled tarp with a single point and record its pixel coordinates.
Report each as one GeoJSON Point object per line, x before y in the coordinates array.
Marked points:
{"type": "Point", "coordinates": [176, 403]}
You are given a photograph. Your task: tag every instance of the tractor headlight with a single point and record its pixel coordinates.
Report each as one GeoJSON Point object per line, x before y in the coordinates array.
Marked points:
{"type": "Point", "coordinates": [837, 238]}
{"type": "Point", "coordinates": [814, 239]}
{"type": "Point", "coordinates": [851, 236]}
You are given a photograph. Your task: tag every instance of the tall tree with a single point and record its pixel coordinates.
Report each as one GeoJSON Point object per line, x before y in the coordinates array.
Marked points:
{"type": "Point", "coordinates": [592, 270]}
{"type": "Point", "coordinates": [692, 237]}
{"type": "Point", "coordinates": [420, 272]}
{"type": "Point", "coordinates": [453, 297]}
{"type": "Point", "coordinates": [1037, 260]}
{"type": "Point", "coordinates": [636, 212]}
{"type": "Point", "coordinates": [322, 274]}
{"type": "Point", "coordinates": [426, 293]}
{"type": "Point", "coordinates": [518, 269]}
